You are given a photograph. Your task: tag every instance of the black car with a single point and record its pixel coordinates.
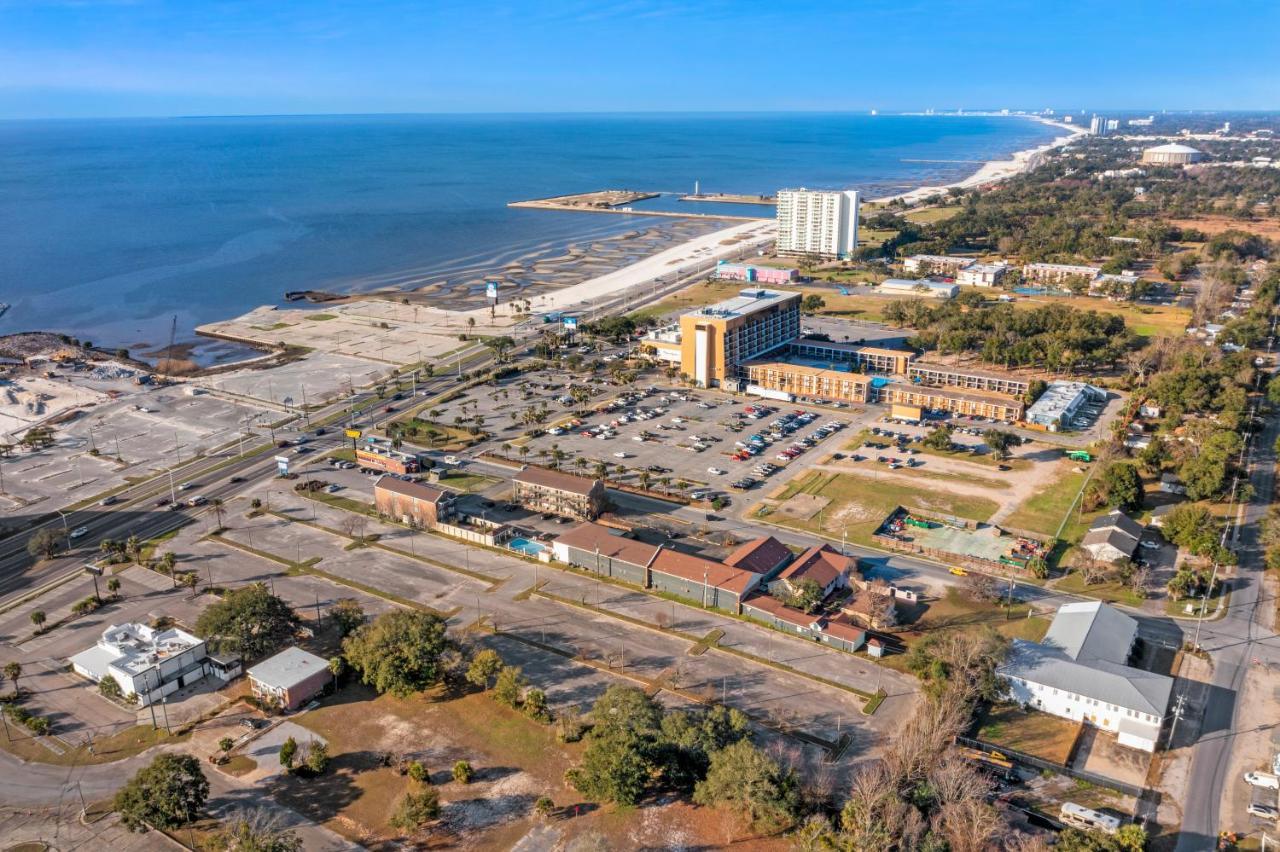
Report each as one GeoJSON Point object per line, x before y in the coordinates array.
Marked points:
{"type": "Point", "coordinates": [236, 479]}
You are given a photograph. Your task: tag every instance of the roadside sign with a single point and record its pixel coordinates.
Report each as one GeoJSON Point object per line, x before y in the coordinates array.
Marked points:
{"type": "Point", "coordinates": [491, 289]}
{"type": "Point", "coordinates": [95, 570]}
{"type": "Point", "coordinates": [353, 434]}
{"type": "Point", "coordinates": [282, 465]}
{"type": "Point", "coordinates": [571, 323]}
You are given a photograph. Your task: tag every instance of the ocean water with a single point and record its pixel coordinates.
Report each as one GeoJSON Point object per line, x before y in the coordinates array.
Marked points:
{"type": "Point", "coordinates": [110, 228]}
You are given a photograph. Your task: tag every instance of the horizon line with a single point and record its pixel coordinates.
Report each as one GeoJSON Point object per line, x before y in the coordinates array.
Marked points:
{"type": "Point", "coordinates": [878, 112]}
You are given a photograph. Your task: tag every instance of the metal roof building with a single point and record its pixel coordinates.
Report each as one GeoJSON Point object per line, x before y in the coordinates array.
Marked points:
{"type": "Point", "coordinates": [1081, 672]}
{"type": "Point", "coordinates": [1172, 154]}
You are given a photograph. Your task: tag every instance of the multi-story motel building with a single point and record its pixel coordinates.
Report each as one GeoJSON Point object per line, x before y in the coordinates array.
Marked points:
{"type": "Point", "coordinates": [412, 503]}
{"type": "Point", "coordinates": [1056, 273]}
{"type": "Point", "coordinates": [543, 490]}
{"type": "Point", "coordinates": [752, 343]}
{"type": "Point", "coordinates": [935, 264]}
{"type": "Point", "coordinates": [822, 223]}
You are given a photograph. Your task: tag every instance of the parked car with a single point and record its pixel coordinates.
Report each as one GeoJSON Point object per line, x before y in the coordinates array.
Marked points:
{"type": "Point", "coordinates": [1259, 809]}
{"type": "Point", "coordinates": [1262, 779]}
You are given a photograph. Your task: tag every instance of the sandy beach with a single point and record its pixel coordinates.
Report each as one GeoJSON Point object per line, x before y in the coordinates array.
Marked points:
{"type": "Point", "coordinates": [993, 171]}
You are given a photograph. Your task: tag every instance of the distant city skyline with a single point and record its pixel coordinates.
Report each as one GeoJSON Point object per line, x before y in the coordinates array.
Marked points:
{"type": "Point", "coordinates": [89, 58]}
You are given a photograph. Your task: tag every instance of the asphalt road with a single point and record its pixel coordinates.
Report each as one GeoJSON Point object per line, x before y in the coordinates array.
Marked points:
{"type": "Point", "coordinates": [135, 511]}
{"type": "Point", "coordinates": [1233, 643]}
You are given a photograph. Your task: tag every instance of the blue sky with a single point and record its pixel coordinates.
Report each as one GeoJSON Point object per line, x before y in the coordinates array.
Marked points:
{"type": "Point", "coordinates": [64, 58]}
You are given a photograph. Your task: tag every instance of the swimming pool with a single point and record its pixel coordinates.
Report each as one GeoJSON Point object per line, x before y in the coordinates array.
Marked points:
{"type": "Point", "coordinates": [879, 382]}
{"type": "Point", "coordinates": [528, 548]}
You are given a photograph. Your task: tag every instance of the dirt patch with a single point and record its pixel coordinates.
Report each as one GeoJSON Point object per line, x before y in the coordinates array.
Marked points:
{"type": "Point", "coordinates": [802, 507]}
{"type": "Point", "coordinates": [1211, 225]}
{"type": "Point", "coordinates": [853, 513]}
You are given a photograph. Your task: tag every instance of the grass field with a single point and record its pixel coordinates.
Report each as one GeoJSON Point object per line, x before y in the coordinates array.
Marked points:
{"type": "Point", "coordinates": [1038, 734]}
{"type": "Point", "coordinates": [955, 612]}
{"type": "Point", "coordinates": [858, 505]}
{"type": "Point", "coordinates": [1114, 592]}
{"type": "Point", "coordinates": [1043, 511]}
{"type": "Point", "coordinates": [118, 746]}
{"type": "Point", "coordinates": [1146, 320]}
{"type": "Point", "coordinates": [470, 482]}
{"type": "Point", "coordinates": [929, 215]}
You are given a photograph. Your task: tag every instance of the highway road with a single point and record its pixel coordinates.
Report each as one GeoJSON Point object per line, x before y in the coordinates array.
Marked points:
{"type": "Point", "coordinates": [135, 510]}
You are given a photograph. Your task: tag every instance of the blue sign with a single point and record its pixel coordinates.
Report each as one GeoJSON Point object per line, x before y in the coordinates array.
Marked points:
{"type": "Point", "coordinates": [282, 465]}
{"type": "Point", "coordinates": [571, 323]}
{"type": "Point", "coordinates": [491, 289]}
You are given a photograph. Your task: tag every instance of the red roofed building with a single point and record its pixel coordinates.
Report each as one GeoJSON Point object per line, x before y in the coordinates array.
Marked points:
{"type": "Point", "coordinates": [605, 551]}
{"type": "Point", "coordinates": [711, 583]}
{"type": "Point", "coordinates": [765, 556]}
{"type": "Point", "coordinates": [822, 564]}
{"type": "Point", "coordinates": [773, 612]}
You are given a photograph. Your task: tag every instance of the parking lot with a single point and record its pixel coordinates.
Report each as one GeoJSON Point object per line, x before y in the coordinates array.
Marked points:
{"type": "Point", "coordinates": [697, 443]}
{"type": "Point", "coordinates": [140, 432]}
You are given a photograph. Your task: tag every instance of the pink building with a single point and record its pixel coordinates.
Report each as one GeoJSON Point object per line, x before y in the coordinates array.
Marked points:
{"type": "Point", "coordinates": [758, 274]}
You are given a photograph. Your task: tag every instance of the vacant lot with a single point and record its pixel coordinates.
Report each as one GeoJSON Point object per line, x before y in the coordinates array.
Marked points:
{"type": "Point", "coordinates": [1038, 734]}
{"type": "Point", "coordinates": [1044, 511]}
{"type": "Point", "coordinates": [516, 761]}
{"type": "Point", "coordinates": [1146, 320]}
{"type": "Point", "coordinates": [835, 504]}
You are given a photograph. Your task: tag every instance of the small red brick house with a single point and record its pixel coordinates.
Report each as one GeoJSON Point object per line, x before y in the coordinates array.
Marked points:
{"type": "Point", "coordinates": [291, 678]}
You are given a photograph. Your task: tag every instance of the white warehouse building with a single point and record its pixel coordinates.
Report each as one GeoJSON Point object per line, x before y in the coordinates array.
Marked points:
{"type": "Point", "coordinates": [1081, 672]}
{"type": "Point", "coordinates": [822, 223]}
{"type": "Point", "coordinates": [919, 287]}
{"type": "Point", "coordinates": [150, 663]}
{"type": "Point", "coordinates": [1058, 406]}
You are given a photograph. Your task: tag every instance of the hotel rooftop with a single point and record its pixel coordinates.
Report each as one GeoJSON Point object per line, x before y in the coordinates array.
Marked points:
{"type": "Point", "coordinates": [747, 301]}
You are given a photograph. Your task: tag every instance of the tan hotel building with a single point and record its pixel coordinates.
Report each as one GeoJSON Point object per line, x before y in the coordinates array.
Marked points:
{"type": "Point", "coordinates": [754, 339]}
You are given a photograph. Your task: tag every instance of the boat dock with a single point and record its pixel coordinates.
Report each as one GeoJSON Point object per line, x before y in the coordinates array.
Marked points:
{"type": "Point", "coordinates": [731, 198]}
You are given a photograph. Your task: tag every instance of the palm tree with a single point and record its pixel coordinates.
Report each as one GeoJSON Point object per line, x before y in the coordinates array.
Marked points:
{"type": "Point", "coordinates": [113, 586]}
{"type": "Point", "coordinates": [217, 510]}
{"type": "Point", "coordinates": [169, 560]}
{"type": "Point", "coordinates": [38, 618]}
{"type": "Point", "coordinates": [601, 470]}
{"type": "Point", "coordinates": [13, 671]}
{"type": "Point", "coordinates": [506, 449]}
{"type": "Point", "coordinates": [644, 479]}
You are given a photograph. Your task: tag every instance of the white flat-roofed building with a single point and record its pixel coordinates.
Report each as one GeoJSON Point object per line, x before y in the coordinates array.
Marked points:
{"type": "Point", "coordinates": [1058, 405]}
{"type": "Point", "coordinates": [818, 222]}
{"type": "Point", "coordinates": [1081, 672]}
{"type": "Point", "coordinates": [145, 662]}
{"type": "Point", "coordinates": [981, 274]}
{"type": "Point", "coordinates": [919, 287]}
{"type": "Point", "coordinates": [935, 264]}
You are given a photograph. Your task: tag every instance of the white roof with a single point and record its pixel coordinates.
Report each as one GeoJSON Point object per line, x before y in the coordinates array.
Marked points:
{"type": "Point", "coordinates": [288, 668]}
{"type": "Point", "coordinates": [1173, 148]}
{"type": "Point", "coordinates": [134, 648]}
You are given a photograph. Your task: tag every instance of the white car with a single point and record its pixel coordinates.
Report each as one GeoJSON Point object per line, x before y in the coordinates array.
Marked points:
{"type": "Point", "coordinates": [621, 455]}
{"type": "Point", "coordinates": [1262, 779]}
{"type": "Point", "coordinates": [79, 531]}
{"type": "Point", "coordinates": [715, 471]}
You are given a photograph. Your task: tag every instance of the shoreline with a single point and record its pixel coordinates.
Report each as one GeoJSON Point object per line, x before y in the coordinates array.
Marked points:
{"type": "Point", "coordinates": [993, 171]}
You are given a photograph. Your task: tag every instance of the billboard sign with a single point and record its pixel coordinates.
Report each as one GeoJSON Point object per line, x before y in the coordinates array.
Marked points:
{"type": "Point", "coordinates": [282, 465]}
{"type": "Point", "coordinates": [491, 289]}
{"type": "Point", "coordinates": [353, 434]}
{"type": "Point", "coordinates": [571, 323]}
